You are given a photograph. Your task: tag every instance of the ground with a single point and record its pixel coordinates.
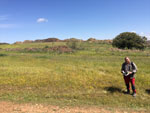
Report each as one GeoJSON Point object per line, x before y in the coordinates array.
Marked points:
{"type": "Point", "coordinates": [10, 107]}
{"type": "Point", "coordinates": [87, 79]}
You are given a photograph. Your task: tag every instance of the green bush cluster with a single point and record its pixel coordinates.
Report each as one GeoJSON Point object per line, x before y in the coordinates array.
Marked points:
{"type": "Point", "coordinates": [129, 40]}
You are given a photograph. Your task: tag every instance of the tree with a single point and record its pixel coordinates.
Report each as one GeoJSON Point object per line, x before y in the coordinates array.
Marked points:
{"type": "Point", "coordinates": [129, 40]}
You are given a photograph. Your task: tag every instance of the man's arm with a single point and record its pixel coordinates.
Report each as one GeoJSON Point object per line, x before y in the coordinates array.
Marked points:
{"type": "Point", "coordinates": [134, 68]}
{"type": "Point", "coordinates": [122, 68]}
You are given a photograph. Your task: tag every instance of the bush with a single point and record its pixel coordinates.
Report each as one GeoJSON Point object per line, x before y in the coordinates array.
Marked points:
{"type": "Point", "coordinates": [46, 47]}
{"type": "Point", "coordinates": [129, 40]}
{"type": "Point", "coordinates": [1, 55]}
{"type": "Point", "coordinates": [73, 45]}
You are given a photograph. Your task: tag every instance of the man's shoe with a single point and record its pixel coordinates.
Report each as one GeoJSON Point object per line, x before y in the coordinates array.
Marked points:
{"type": "Point", "coordinates": [127, 92]}
{"type": "Point", "coordinates": [134, 94]}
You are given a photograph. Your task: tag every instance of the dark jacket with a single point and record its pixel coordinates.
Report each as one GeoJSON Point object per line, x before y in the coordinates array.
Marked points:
{"type": "Point", "coordinates": [129, 68]}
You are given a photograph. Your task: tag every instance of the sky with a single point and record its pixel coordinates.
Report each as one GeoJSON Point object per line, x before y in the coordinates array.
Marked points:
{"type": "Point", "coordinates": [101, 19]}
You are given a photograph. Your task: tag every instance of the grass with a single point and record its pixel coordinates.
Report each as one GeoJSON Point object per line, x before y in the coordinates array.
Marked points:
{"type": "Point", "coordinates": [86, 77]}
{"type": "Point", "coordinates": [33, 45]}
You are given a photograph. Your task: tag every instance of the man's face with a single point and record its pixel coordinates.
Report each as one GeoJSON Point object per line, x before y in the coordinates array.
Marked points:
{"type": "Point", "coordinates": [127, 60]}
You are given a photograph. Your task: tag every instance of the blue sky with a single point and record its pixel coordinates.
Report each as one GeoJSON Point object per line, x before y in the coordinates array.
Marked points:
{"type": "Point", "coordinates": [102, 19]}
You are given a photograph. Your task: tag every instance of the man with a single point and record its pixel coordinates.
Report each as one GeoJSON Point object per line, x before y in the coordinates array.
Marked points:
{"type": "Point", "coordinates": [128, 70]}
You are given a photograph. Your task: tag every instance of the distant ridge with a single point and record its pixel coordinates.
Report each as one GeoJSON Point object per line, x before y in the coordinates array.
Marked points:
{"type": "Point", "coordinates": [4, 43]}
{"type": "Point", "coordinates": [65, 40]}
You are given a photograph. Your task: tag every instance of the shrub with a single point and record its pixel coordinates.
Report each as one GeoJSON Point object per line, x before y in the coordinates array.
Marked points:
{"type": "Point", "coordinates": [46, 47]}
{"type": "Point", "coordinates": [73, 45]}
{"type": "Point", "coordinates": [1, 55]}
{"type": "Point", "coordinates": [129, 40]}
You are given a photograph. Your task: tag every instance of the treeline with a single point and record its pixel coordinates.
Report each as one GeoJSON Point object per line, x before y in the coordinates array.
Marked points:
{"type": "Point", "coordinates": [65, 40]}
{"type": "Point", "coordinates": [4, 43]}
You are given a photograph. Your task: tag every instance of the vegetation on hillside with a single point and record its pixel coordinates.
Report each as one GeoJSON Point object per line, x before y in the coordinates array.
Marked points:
{"type": "Point", "coordinates": [88, 76]}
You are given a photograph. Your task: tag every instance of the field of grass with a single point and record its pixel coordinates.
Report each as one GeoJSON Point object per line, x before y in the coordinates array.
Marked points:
{"type": "Point", "coordinates": [89, 76]}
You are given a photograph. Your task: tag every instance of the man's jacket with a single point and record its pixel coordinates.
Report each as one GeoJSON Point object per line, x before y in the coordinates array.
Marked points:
{"type": "Point", "coordinates": [131, 67]}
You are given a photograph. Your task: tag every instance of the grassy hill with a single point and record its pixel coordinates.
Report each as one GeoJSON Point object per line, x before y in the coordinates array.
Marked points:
{"type": "Point", "coordinates": [89, 75]}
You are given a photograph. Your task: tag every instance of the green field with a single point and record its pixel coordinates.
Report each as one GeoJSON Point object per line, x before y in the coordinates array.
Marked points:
{"type": "Point", "coordinates": [87, 76]}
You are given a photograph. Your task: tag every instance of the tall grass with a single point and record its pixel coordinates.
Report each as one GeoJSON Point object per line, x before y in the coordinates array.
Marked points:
{"type": "Point", "coordinates": [87, 77]}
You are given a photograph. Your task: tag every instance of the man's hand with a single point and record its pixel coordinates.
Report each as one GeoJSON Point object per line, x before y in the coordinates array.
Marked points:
{"type": "Point", "coordinates": [129, 72]}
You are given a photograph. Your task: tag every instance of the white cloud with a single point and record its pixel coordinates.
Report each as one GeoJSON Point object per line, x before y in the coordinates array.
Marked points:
{"type": "Point", "coordinates": [147, 35]}
{"type": "Point", "coordinates": [142, 33]}
{"type": "Point", "coordinates": [6, 26]}
{"type": "Point", "coordinates": [133, 31]}
{"type": "Point", "coordinates": [3, 17]}
{"type": "Point", "coordinates": [40, 20]}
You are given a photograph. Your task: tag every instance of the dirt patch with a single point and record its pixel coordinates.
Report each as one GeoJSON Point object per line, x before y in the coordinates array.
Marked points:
{"type": "Point", "coordinates": [62, 49]}
{"type": "Point", "coordinates": [9, 107]}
